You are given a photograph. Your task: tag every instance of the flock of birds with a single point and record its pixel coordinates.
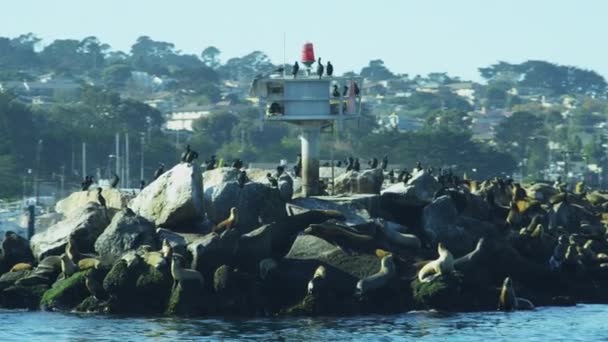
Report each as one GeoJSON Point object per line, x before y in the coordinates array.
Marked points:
{"type": "Point", "coordinates": [321, 70]}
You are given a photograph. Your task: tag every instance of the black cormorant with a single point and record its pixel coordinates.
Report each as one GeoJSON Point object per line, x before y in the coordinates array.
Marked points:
{"type": "Point", "coordinates": [237, 164]}
{"type": "Point", "coordinates": [330, 69]}
{"type": "Point", "coordinates": [101, 199]}
{"type": "Point", "coordinates": [356, 165]}
{"type": "Point", "coordinates": [185, 154]}
{"type": "Point", "coordinates": [356, 88]}
{"type": "Point", "coordinates": [295, 69]}
{"type": "Point", "coordinates": [345, 91]}
{"type": "Point", "coordinates": [159, 171]}
{"type": "Point", "coordinates": [242, 179]}
{"type": "Point", "coordinates": [384, 164]}
{"type": "Point", "coordinates": [297, 169]}
{"type": "Point", "coordinates": [273, 181]}
{"type": "Point", "coordinates": [320, 68]}
{"type": "Point", "coordinates": [115, 181]}
{"type": "Point", "coordinates": [336, 92]}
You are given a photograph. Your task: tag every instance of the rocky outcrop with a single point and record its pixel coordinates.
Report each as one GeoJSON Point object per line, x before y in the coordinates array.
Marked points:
{"type": "Point", "coordinates": [256, 203]}
{"type": "Point", "coordinates": [174, 199]}
{"type": "Point", "coordinates": [127, 231]}
{"type": "Point", "coordinates": [84, 225]}
{"type": "Point", "coordinates": [76, 201]}
{"type": "Point", "coordinates": [362, 182]}
{"type": "Point", "coordinates": [440, 224]}
{"type": "Point", "coordinates": [420, 189]}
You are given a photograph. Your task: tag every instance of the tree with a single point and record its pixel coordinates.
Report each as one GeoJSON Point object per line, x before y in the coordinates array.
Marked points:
{"type": "Point", "coordinates": [116, 75]}
{"type": "Point", "coordinates": [210, 57]}
{"type": "Point", "coordinates": [513, 134]}
{"type": "Point", "coordinates": [376, 71]}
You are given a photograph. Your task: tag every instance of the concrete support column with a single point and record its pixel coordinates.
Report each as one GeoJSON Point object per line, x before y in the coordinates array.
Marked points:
{"type": "Point", "coordinates": [310, 159]}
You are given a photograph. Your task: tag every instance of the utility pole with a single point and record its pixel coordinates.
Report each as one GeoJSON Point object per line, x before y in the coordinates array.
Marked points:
{"type": "Point", "coordinates": [117, 154]}
{"type": "Point", "coordinates": [37, 173]}
{"type": "Point", "coordinates": [127, 162]}
{"type": "Point", "coordinates": [84, 159]}
{"type": "Point", "coordinates": [141, 160]}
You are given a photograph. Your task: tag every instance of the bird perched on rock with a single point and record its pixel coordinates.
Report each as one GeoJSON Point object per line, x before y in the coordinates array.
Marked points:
{"type": "Point", "coordinates": [191, 156]}
{"type": "Point", "coordinates": [280, 170]}
{"type": "Point", "coordinates": [185, 154]}
{"type": "Point", "coordinates": [339, 163]}
{"type": "Point", "coordinates": [373, 163]}
{"type": "Point", "coordinates": [88, 181]}
{"type": "Point", "coordinates": [115, 181]}
{"type": "Point", "coordinates": [242, 179]}
{"type": "Point", "coordinates": [228, 223]}
{"type": "Point", "coordinates": [391, 176]}
{"type": "Point", "coordinates": [237, 164]}
{"type": "Point", "coordinates": [297, 169]}
{"type": "Point", "coordinates": [350, 163]}
{"type": "Point", "coordinates": [384, 163]}
{"type": "Point", "coordinates": [295, 69]}
{"type": "Point", "coordinates": [101, 199]}
{"type": "Point", "coordinates": [336, 92]}
{"type": "Point", "coordinates": [330, 69]}
{"type": "Point", "coordinates": [159, 171]}
{"type": "Point", "coordinates": [273, 181]}
{"type": "Point", "coordinates": [356, 165]}
{"type": "Point", "coordinates": [210, 163]}
{"type": "Point", "coordinates": [320, 68]}
{"type": "Point", "coordinates": [142, 184]}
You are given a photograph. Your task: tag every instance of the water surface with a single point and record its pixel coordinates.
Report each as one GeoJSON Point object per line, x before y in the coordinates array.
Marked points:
{"type": "Point", "coordinates": [580, 323]}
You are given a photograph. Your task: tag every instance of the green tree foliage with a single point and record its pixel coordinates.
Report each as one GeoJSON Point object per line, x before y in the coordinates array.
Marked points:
{"type": "Point", "coordinates": [246, 67]}
{"type": "Point", "coordinates": [513, 134]}
{"type": "Point", "coordinates": [210, 57]}
{"type": "Point", "coordinates": [376, 71]}
{"type": "Point", "coordinates": [116, 76]}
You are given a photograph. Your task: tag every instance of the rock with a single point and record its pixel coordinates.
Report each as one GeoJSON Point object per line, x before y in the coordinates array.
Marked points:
{"type": "Point", "coordinates": [44, 221]}
{"type": "Point", "coordinates": [22, 297]}
{"type": "Point", "coordinates": [420, 189]}
{"type": "Point", "coordinates": [440, 224]}
{"type": "Point", "coordinates": [15, 249]}
{"type": "Point", "coordinates": [85, 226]}
{"type": "Point", "coordinates": [256, 202]}
{"type": "Point", "coordinates": [8, 279]}
{"type": "Point", "coordinates": [187, 299]}
{"type": "Point", "coordinates": [66, 293]}
{"type": "Point", "coordinates": [363, 182]}
{"type": "Point", "coordinates": [213, 250]}
{"type": "Point", "coordinates": [309, 247]}
{"type": "Point", "coordinates": [452, 292]}
{"type": "Point", "coordinates": [137, 287]}
{"type": "Point", "coordinates": [235, 292]}
{"type": "Point", "coordinates": [174, 238]}
{"type": "Point", "coordinates": [174, 199]}
{"type": "Point", "coordinates": [127, 231]}
{"type": "Point", "coordinates": [75, 202]}
{"type": "Point", "coordinates": [275, 240]}
{"type": "Point", "coordinates": [353, 208]}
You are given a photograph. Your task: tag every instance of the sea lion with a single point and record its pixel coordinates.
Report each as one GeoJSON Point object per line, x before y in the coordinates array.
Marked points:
{"type": "Point", "coordinates": [21, 266]}
{"type": "Point", "coordinates": [507, 300]}
{"type": "Point", "coordinates": [379, 279]}
{"type": "Point", "coordinates": [471, 259]}
{"type": "Point", "coordinates": [442, 265]}
{"type": "Point", "coordinates": [399, 239]}
{"type": "Point", "coordinates": [155, 259]}
{"type": "Point", "coordinates": [68, 267]}
{"type": "Point", "coordinates": [332, 228]}
{"type": "Point", "coordinates": [228, 223]}
{"type": "Point", "coordinates": [317, 283]}
{"type": "Point", "coordinates": [87, 263]}
{"type": "Point", "coordinates": [179, 273]}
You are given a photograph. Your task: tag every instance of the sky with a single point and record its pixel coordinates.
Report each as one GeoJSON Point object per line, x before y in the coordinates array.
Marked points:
{"type": "Point", "coordinates": [413, 37]}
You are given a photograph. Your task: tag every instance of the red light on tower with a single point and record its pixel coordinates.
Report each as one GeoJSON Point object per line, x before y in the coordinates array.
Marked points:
{"type": "Point", "coordinates": [308, 55]}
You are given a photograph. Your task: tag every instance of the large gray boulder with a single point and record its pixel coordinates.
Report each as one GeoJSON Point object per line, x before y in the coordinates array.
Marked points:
{"type": "Point", "coordinates": [441, 223]}
{"type": "Point", "coordinates": [363, 182]}
{"type": "Point", "coordinates": [127, 231]}
{"type": "Point", "coordinates": [85, 226]}
{"type": "Point", "coordinates": [419, 190]}
{"type": "Point", "coordinates": [256, 203]}
{"type": "Point", "coordinates": [77, 200]}
{"type": "Point", "coordinates": [354, 209]}
{"type": "Point", "coordinates": [174, 199]}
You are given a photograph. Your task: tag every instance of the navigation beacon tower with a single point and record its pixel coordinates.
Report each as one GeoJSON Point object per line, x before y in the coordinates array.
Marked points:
{"type": "Point", "coordinates": [311, 103]}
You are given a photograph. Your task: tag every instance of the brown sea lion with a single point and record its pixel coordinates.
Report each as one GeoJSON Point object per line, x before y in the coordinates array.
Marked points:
{"type": "Point", "coordinates": [379, 279]}
{"type": "Point", "coordinates": [442, 265]}
{"type": "Point", "coordinates": [179, 273]}
{"type": "Point", "coordinates": [508, 301]}
{"type": "Point", "coordinates": [22, 266]}
{"type": "Point", "coordinates": [228, 223]}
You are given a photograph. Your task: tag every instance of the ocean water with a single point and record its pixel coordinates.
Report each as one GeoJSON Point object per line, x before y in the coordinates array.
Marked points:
{"type": "Point", "coordinates": [580, 323]}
